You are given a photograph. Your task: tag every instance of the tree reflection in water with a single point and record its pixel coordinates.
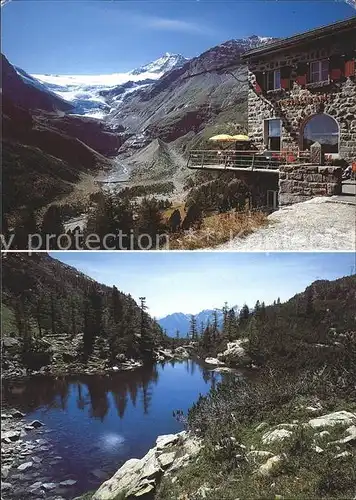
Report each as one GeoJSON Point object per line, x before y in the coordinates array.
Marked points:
{"type": "Point", "coordinates": [92, 393]}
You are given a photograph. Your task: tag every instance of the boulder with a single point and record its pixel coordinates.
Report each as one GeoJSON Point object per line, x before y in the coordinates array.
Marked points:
{"type": "Point", "coordinates": [166, 459]}
{"type": "Point", "coordinates": [49, 486]}
{"type": "Point", "coordinates": [166, 440]}
{"type": "Point", "coordinates": [6, 487]}
{"type": "Point", "coordinates": [336, 418]}
{"type": "Point", "coordinates": [350, 438]}
{"type": "Point", "coordinates": [213, 361]}
{"type": "Point", "coordinates": [271, 464]}
{"type": "Point", "coordinates": [10, 436]}
{"type": "Point", "coordinates": [181, 353]}
{"type": "Point", "coordinates": [25, 466]}
{"type": "Point", "coordinates": [68, 482]}
{"type": "Point", "coordinates": [143, 489]}
{"type": "Point", "coordinates": [276, 435]}
{"type": "Point", "coordinates": [17, 414]}
{"type": "Point", "coordinates": [343, 454]}
{"type": "Point", "coordinates": [35, 424]}
{"type": "Point", "coordinates": [235, 353]}
{"type": "Point", "coordinates": [139, 478]}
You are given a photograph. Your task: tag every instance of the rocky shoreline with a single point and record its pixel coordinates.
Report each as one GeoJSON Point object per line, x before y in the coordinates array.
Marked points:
{"type": "Point", "coordinates": [12, 369]}
{"type": "Point", "coordinates": [139, 478]}
{"type": "Point", "coordinates": [24, 450]}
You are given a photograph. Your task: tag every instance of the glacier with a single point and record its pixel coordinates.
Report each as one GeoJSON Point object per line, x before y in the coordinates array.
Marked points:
{"type": "Point", "coordinates": [94, 95]}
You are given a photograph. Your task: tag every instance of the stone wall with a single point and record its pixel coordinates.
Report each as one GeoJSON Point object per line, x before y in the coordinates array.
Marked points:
{"type": "Point", "coordinates": [299, 183]}
{"type": "Point", "coordinates": [337, 99]}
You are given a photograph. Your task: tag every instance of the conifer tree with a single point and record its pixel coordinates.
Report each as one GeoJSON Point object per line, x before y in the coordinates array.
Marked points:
{"type": "Point", "coordinates": [215, 326]}
{"type": "Point", "coordinates": [93, 312]}
{"type": "Point", "coordinates": [193, 332]}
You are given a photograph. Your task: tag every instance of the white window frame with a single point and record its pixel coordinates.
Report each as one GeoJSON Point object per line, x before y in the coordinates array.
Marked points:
{"type": "Point", "coordinates": [266, 132]}
{"type": "Point", "coordinates": [318, 72]}
{"type": "Point", "coordinates": [275, 79]}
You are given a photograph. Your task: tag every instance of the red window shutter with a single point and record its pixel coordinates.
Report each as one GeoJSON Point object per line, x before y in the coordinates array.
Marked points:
{"type": "Point", "coordinates": [285, 77]}
{"type": "Point", "coordinates": [335, 74]}
{"type": "Point", "coordinates": [336, 68]}
{"type": "Point", "coordinates": [259, 82]}
{"type": "Point", "coordinates": [302, 72]}
{"type": "Point", "coordinates": [258, 89]}
{"type": "Point", "coordinates": [301, 80]}
{"type": "Point", "coordinates": [350, 68]}
{"type": "Point", "coordinates": [285, 83]}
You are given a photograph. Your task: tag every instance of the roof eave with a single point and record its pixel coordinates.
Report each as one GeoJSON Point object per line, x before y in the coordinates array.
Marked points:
{"type": "Point", "coordinates": [301, 38]}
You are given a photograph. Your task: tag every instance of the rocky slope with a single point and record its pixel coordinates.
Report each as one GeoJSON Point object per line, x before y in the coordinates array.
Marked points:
{"type": "Point", "coordinates": [45, 151]}
{"type": "Point", "coordinates": [24, 91]}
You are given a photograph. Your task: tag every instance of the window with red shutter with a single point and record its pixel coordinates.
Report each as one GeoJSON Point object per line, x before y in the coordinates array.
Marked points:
{"type": "Point", "coordinates": [319, 71]}
{"type": "Point", "coordinates": [350, 68]}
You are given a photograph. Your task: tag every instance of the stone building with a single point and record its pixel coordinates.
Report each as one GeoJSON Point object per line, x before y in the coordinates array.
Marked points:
{"type": "Point", "coordinates": [302, 90]}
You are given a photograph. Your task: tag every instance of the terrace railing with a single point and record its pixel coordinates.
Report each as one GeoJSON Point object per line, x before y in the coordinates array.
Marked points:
{"type": "Point", "coordinates": [244, 160]}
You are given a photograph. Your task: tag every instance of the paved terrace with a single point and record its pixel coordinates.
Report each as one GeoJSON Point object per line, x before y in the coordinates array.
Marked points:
{"type": "Point", "coordinates": [319, 224]}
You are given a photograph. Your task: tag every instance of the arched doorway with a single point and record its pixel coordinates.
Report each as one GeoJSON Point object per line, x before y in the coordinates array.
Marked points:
{"type": "Point", "coordinates": [324, 129]}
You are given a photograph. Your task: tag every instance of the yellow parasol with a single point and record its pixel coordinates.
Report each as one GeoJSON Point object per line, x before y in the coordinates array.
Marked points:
{"type": "Point", "coordinates": [240, 137]}
{"type": "Point", "coordinates": [222, 138]}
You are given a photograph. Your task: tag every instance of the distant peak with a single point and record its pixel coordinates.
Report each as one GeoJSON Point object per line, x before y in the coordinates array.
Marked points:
{"type": "Point", "coordinates": [162, 65]}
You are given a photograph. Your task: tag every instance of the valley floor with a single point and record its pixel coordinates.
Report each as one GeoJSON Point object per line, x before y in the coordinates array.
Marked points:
{"type": "Point", "coordinates": [317, 224]}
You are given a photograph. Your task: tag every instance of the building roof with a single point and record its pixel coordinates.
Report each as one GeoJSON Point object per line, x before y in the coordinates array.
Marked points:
{"type": "Point", "coordinates": [307, 36]}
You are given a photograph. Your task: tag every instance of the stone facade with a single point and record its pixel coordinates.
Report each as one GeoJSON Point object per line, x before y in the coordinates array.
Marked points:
{"type": "Point", "coordinates": [299, 183]}
{"type": "Point", "coordinates": [297, 103]}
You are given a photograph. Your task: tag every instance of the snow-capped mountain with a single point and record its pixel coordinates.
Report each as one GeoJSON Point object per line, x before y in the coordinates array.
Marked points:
{"type": "Point", "coordinates": [181, 321]}
{"type": "Point", "coordinates": [94, 95]}
{"type": "Point", "coordinates": [162, 65]}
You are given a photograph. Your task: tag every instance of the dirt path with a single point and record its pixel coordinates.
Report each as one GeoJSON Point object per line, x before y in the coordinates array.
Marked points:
{"type": "Point", "coordinates": [316, 224]}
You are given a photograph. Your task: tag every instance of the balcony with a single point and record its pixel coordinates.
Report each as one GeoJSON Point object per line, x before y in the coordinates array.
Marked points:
{"type": "Point", "coordinates": [234, 160]}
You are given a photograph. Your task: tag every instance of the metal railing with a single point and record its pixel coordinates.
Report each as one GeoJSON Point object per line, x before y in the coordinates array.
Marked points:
{"type": "Point", "coordinates": [242, 160]}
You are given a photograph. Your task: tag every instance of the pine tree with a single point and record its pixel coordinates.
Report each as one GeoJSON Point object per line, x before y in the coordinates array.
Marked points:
{"type": "Point", "coordinates": [231, 324]}
{"type": "Point", "coordinates": [53, 315]}
{"type": "Point", "coordinates": [146, 338]}
{"type": "Point", "coordinates": [225, 311]}
{"type": "Point", "coordinates": [207, 337]}
{"type": "Point", "coordinates": [174, 221]}
{"type": "Point", "coordinates": [93, 312]}
{"type": "Point", "coordinates": [193, 332]}
{"type": "Point", "coordinates": [215, 326]}
{"type": "Point", "coordinates": [244, 314]}
{"type": "Point", "coordinates": [116, 305]}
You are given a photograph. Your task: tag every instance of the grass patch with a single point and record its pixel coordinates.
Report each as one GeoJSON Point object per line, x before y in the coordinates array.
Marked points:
{"type": "Point", "coordinates": [217, 229]}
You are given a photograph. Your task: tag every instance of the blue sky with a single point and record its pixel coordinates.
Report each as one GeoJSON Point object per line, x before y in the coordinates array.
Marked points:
{"type": "Point", "coordinates": [99, 37]}
{"type": "Point", "coordinates": [192, 281]}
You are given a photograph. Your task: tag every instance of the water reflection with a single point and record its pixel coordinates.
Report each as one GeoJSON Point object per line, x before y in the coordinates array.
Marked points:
{"type": "Point", "coordinates": [95, 394]}
{"type": "Point", "coordinates": [93, 422]}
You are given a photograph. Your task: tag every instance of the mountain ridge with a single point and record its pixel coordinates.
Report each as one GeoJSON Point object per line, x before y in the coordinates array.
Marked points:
{"type": "Point", "coordinates": [181, 321]}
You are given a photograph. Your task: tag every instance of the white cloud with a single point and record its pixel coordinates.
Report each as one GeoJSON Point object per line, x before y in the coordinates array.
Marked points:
{"type": "Point", "coordinates": [167, 24]}
{"type": "Point", "coordinates": [161, 23]}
